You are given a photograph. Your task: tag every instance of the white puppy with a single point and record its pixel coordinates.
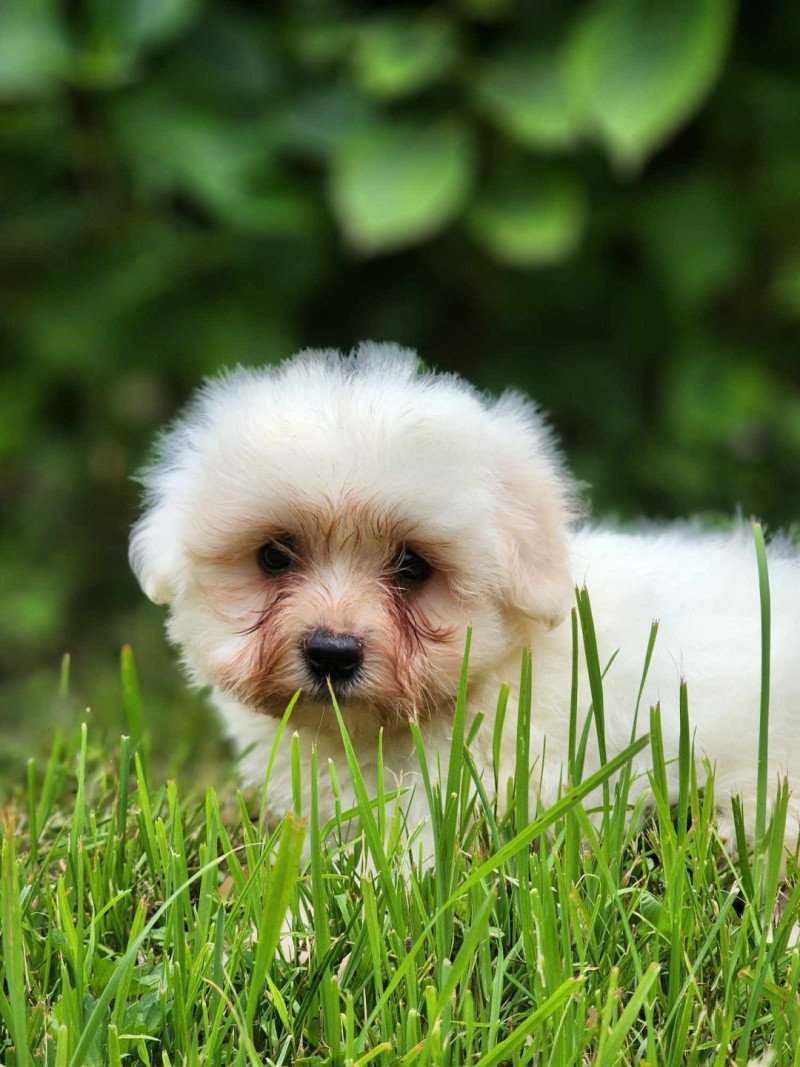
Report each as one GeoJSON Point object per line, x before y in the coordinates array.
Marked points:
{"type": "Point", "coordinates": [347, 518]}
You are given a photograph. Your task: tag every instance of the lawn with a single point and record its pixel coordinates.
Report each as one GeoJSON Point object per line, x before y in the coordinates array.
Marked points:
{"type": "Point", "coordinates": [145, 923]}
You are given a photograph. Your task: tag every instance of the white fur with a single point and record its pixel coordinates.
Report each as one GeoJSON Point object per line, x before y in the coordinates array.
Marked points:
{"type": "Point", "coordinates": [343, 439]}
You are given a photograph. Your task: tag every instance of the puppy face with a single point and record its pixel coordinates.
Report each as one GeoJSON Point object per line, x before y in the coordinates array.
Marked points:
{"type": "Point", "coordinates": [338, 590]}
{"type": "Point", "coordinates": [345, 519]}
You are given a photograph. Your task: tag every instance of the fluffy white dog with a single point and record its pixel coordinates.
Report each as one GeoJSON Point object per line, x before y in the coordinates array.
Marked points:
{"type": "Point", "coordinates": [347, 518]}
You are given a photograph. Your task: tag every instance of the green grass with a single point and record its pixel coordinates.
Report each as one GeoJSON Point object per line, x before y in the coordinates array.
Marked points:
{"type": "Point", "coordinates": [143, 926]}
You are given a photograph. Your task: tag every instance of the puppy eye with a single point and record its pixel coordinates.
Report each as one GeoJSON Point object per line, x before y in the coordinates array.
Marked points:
{"type": "Point", "coordinates": [276, 557]}
{"type": "Point", "coordinates": [410, 568]}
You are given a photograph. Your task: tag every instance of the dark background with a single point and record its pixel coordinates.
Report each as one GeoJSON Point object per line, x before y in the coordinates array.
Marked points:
{"type": "Point", "coordinates": [598, 203]}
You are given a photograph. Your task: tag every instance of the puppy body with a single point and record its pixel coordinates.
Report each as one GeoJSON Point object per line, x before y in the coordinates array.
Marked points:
{"type": "Point", "coordinates": [704, 590]}
{"type": "Point", "coordinates": [345, 465]}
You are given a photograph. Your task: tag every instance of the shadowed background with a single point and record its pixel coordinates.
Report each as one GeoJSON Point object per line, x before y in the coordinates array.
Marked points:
{"type": "Point", "coordinates": [598, 203]}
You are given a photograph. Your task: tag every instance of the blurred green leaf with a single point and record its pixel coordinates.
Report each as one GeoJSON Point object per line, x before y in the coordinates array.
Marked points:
{"type": "Point", "coordinates": [533, 222]}
{"type": "Point", "coordinates": [314, 123]}
{"type": "Point", "coordinates": [484, 10]}
{"type": "Point", "coordinates": [116, 34]}
{"type": "Point", "coordinates": [395, 56]}
{"type": "Point", "coordinates": [74, 321]}
{"type": "Point", "coordinates": [18, 397]}
{"type": "Point", "coordinates": [720, 396]}
{"type": "Point", "coordinates": [525, 93]}
{"type": "Point", "coordinates": [393, 184]}
{"type": "Point", "coordinates": [785, 287]}
{"type": "Point", "coordinates": [322, 43]}
{"type": "Point", "coordinates": [640, 68]}
{"type": "Point", "coordinates": [228, 167]}
{"type": "Point", "coordinates": [172, 144]}
{"type": "Point", "coordinates": [34, 52]}
{"type": "Point", "coordinates": [144, 22]}
{"type": "Point", "coordinates": [226, 64]}
{"type": "Point", "coordinates": [694, 232]}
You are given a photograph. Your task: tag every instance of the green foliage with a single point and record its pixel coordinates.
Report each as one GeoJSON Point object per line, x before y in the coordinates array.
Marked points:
{"type": "Point", "coordinates": [638, 69]}
{"type": "Point", "coordinates": [593, 202]}
{"type": "Point", "coordinates": [525, 91]}
{"type": "Point", "coordinates": [534, 218]}
{"type": "Point", "coordinates": [395, 56]}
{"type": "Point", "coordinates": [393, 184]}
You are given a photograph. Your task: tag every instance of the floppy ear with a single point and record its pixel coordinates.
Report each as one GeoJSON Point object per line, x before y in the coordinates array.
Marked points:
{"type": "Point", "coordinates": [156, 547]}
{"type": "Point", "coordinates": [533, 530]}
{"type": "Point", "coordinates": [154, 554]}
{"type": "Point", "coordinates": [537, 502]}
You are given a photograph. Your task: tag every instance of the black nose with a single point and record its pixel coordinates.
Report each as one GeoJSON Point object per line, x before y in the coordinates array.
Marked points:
{"type": "Point", "coordinates": [335, 656]}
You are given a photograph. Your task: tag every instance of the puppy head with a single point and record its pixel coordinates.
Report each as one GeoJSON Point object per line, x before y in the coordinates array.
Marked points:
{"type": "Point", "coordinates": [348, 518]}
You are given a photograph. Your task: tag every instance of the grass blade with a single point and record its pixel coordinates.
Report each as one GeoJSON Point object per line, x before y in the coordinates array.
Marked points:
{"type": "Point", "coordinates": [763, 717]}
{"type": "Point", "coordinates": [501, 1053]}
{"type": "Point", "coordinates": [13, 945]}
{"type": "Point", "coordinates": [281, 885]}
{"type": "Point", "coordinates": [132, 706]}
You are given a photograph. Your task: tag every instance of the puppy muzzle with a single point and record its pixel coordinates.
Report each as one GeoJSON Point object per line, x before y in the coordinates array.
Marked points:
{"type": "Point", "coordinates": [333, 657]}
